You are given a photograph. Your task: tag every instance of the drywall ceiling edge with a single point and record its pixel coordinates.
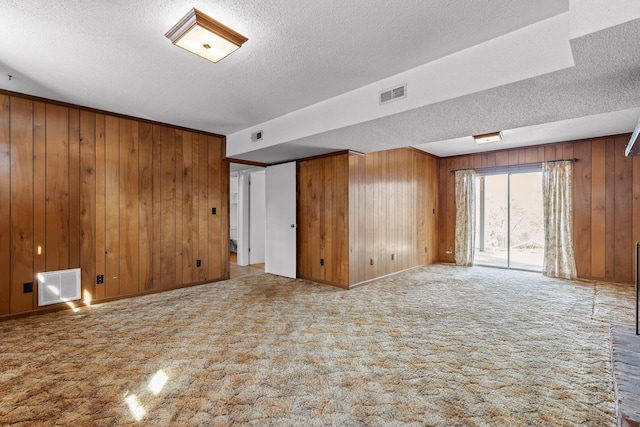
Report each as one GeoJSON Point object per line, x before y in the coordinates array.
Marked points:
{"type": "Point", "coordinates": [532, 51]}
{"type": "Point", "coordinates": [617, 122]}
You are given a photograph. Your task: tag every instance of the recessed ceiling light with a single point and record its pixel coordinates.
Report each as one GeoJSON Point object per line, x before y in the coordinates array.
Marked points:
{"type": "Point", "coordinates": [488, 137]}
{"type": "Point", "coordinates": [204, 36]}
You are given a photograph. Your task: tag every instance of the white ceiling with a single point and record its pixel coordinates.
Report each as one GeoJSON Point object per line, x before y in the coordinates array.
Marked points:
{"type": "Point", "coordinates": [311, 72]}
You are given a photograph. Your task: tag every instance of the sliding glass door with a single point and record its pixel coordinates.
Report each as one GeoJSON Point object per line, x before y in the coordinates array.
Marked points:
{"type": "Point", "coordinates": [492, 221]}
{"type": "Point", "coordinates": [509, 225]}
{"type": "Point", "coordinates": [526, 235]}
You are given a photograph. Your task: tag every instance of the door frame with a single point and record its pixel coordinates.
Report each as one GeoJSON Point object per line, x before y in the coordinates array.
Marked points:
{"type": "Point", "coordinates": [481, 214]}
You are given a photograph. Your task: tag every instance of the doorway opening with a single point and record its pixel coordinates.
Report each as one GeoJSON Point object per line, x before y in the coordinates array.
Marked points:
{"type": "Point", "coordinates": [509, 221]}
{"type": "Point", "coordinates": [246, 220]}
{"type": "Point", "coordinates": [262, 207]}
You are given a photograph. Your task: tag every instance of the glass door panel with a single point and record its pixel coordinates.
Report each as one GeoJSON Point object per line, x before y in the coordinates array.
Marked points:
{"type": "Point", "coordinates": [526, 233]}
{"type": "Point", "coordinates": [492, 214]}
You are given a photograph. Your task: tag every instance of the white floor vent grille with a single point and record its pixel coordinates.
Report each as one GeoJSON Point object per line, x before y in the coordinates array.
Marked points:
{"type": "Point", "coordinates": [58, 286]}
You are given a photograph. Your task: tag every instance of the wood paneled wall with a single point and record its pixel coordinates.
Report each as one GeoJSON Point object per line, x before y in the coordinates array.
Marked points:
{"type": "Point", "coordinates": [366, 216]}
{"type": "Point", "coordinates": [323, 219]}
{"type": "Point", "coordinates": [606, 200]}
{"type": "Point", "coordinates": [127, 199]}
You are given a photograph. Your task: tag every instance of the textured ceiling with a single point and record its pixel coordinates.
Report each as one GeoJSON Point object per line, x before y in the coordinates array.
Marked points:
{"type": "Point", "coordinates": [114, 56]}
{"type": "Point", "coordinates": [606, 78]}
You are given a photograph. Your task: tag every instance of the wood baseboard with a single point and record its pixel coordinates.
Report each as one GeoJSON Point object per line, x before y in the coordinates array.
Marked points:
{"type": "Point", "coordinates": [80, 304]}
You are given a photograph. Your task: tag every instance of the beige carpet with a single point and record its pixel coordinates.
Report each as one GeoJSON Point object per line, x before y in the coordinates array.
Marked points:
{"type": "Point", "coordinates": [439, 345]}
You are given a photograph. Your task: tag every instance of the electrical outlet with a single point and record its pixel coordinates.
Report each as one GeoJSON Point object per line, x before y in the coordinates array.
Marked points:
{"type": "Point", "coordinates": [198, 263]}
{"type": "Point", "coordinates": [100, 279]}
{"type": "Point", "coordinates": [371, 261]}
{"type": "Point", "coordinates": [321, 261]}
{"type": "Point", "coordinates": [213, 211]}
{"type": "Point", "coordinates": [27, 287]}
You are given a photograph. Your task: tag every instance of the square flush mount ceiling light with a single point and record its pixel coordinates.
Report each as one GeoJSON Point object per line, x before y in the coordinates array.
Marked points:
{"type": "Point", "coordinates": [488, 137]}
{"type": "Point", "coordinates": [205, 36]}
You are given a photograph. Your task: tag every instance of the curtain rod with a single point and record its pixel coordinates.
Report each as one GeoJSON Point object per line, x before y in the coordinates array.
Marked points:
{"type": "Point", "coordinates": [517, 166]}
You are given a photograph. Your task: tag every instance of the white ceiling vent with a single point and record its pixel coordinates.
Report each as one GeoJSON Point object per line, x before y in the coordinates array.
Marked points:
{"type": "Point", "coordinates": [256, 136]}
{"type": "Point", "coordinates": [394, 94]}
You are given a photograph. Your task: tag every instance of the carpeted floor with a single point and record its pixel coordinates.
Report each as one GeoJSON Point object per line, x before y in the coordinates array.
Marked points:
{"type": "Point", "coordinates": [439, 345]}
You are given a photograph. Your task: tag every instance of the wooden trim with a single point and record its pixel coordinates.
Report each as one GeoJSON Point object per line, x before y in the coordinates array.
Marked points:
{"type": "Point", "coordinates": [368, 281]}
{"type": "Point", "coordinates": [219, 28]}
{"type": "Point", "coordinates": [5, 202]}
{"type": "Point", "coordinates": [99, 111]}
{"type": "Point", "coordinates": [423, 152]}
{"type": "Point", "coordinates": [514, 166]}
{"type": "Point", "coordinates": [80, 304]}
{"type": "Point", "coordinates": [332, 154]}
{"type": "Point", "coordinates": [304, 159]}
{"type": "Point", "coordinates": [324, 282]}
{"type": "Point", "coordinates": [199, 18]}
{"type": "Point", "coordinates": [245, 162]}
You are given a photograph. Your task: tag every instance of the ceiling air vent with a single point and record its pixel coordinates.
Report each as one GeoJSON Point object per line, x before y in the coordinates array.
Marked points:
{"type": "Point", "coordinates": [256, 136]}
{"type": "Point", "coordinates": [394, 94]}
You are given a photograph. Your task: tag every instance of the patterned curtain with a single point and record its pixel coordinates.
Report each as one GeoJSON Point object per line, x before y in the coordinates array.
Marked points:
{"type": "Point", "coordinates": [465, 216]}
{"type": "Point", "coordinates": [559, 258]}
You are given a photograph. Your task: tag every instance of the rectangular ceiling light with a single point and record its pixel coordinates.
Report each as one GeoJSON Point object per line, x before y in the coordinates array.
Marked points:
{"type": "Point", "coordinates": [205, 36]}
{"type": "Point", "coordinates": [488, 137]}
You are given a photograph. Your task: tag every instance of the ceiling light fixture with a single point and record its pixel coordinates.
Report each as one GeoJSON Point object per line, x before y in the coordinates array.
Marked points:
{"type": "Point", "coordinates": [488, 137]}
{"type": "Point", "coordinates": [205, 36]}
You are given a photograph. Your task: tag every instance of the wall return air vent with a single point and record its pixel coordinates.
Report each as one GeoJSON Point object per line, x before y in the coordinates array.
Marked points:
{"type": "Point", "coordinates": [394, 94]}
{"type": "Point", "coordinates": [58, 286]}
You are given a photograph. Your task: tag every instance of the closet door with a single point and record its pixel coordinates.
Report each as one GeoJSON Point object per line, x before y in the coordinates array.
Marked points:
{"type": "Point", "coordinates": [280, 253]}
